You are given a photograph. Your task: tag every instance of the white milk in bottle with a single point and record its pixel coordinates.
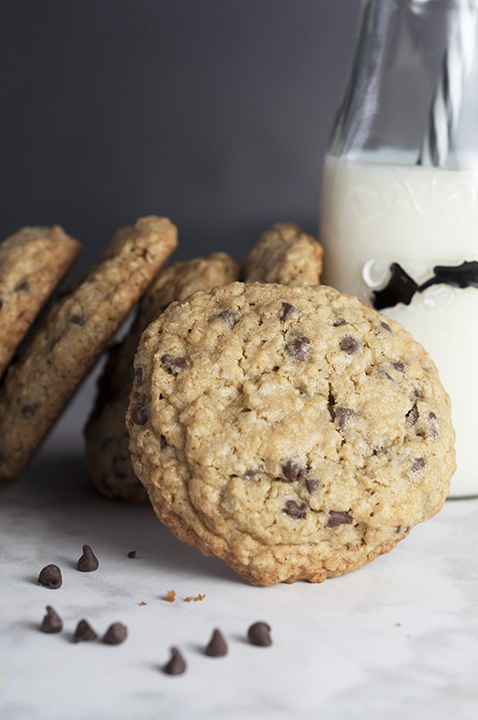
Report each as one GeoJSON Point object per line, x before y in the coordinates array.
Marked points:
{"type": "Point", "coordinates": [377, 215]}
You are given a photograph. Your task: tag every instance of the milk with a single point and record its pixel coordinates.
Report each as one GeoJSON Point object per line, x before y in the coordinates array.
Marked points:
{"type": "Point", "coordinates": [376, 213]}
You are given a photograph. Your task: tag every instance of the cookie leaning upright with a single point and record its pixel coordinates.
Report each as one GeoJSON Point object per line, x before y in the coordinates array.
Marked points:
{"type": "Point", "coordinates": [107, 438]}
{"type": "Point", "coordinates": [292, 431]}
{"type": "Point", "coordinates": [73, 335]}
{"type": "Point", "coordinates": [32, 263]}
{"type": "Point", "coordinates": [284, 254]}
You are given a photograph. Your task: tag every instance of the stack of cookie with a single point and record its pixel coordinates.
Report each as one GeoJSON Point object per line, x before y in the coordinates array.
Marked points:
{"type": "Point", "coordinates": [284, 254]}
{"type": "Point", "coordinates": [279, 425]}
{"type": "Point", "coordinates": [273, 422]}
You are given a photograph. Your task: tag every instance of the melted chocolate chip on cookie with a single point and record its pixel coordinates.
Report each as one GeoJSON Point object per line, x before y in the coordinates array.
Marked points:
{"type": "Point", "coordinates": [292, 470]}
{"type": "Point", "coordinates": [139, 414]}
{"type": "Point", "coordinates": [295, 509]}
{"type": "Point", "coordinates": [287, 310]}
{"type": "Point", "coordinates": [338, 518]}
{"type": "Point", "coordinates": [299, 348]}
{"type": "Point", "coordinates": [29, 410]}
{"type": "Point", "coordinates": [173, 363]}
{"type": "Point", "coordinates": [228, 317]}
{"type": "Point", "coordinates": [349, 345]}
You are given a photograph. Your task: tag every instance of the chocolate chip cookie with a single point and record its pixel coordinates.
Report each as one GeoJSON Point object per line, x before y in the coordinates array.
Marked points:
{"type": "Point", "coordinates": [292, 431]}
{"type": "Point", "coordinates": [32, 262]}
{"type": "Point", "coordinates": [284, 254]}
{"type": "Point", "coordinates": [107, 438]}
{"type": "Point", "coordinates": [73, 335]}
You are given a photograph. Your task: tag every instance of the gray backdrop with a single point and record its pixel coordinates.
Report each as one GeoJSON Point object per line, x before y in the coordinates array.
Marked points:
{"type": "Point", "coordinates": [215, 113]}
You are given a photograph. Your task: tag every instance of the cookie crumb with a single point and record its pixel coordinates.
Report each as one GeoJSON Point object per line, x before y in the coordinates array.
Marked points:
{"type": "Point", "coordinates": [188, 599]}
{"type": "Point", "coordinates": [132, 554]}
{"type": "Point", "coordinates": [142, 603]}
{"type": "Point", "coordinates": [170, 596]}
{"type": "Point", "coordinates": [199, 598]}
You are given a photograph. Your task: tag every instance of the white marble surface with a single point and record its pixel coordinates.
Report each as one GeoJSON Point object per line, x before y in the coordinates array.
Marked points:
{"type": "Point", "coordinates": [397, 639]}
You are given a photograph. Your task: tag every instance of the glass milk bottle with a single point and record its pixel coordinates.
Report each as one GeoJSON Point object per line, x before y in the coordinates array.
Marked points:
{"type": "Point", "coordinates": [399, 205]}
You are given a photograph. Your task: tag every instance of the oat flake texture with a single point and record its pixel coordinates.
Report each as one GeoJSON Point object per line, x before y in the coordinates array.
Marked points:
{"type": "Point", "coordinates": [300, 441]}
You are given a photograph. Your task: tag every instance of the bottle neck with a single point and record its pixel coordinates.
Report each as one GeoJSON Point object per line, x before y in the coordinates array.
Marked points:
{"type": "Point", "coordinates": [414, 73]}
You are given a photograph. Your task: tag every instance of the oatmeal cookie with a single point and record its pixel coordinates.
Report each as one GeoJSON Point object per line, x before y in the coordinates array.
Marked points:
{"type": "Point", "coordinates": [284, 254]}
{"type": "Point", "coordinates": [293, 432]}
{"type": "Point", "coordinates": [107, 438]}
{"type": "Point", "coordinates": [32, 263]}
{"type": "Point", "coordinates": [72, 337]}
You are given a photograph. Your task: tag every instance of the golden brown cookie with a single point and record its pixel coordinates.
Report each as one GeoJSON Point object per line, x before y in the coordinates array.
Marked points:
{"type": "Point", "coordinates": [107, 438]}
{"type": "Point", "coordinates": [72, 337]}
{"type": "Point", "coordinates": [291, 431]}
{"type": "Point", "coordinates": [32, 263]}
{"type": "Point", "coordinates": [284, 254]}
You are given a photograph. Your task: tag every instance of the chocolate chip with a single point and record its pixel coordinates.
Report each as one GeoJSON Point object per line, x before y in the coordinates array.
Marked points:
{"type": "Point", "coordinates": [432, 416]}
{"type": "Point", "coordinates": [386, 326]}
{"type": "Point", "coordinates": [84, 632]}
{"type": "Point", "coordinates": [1, 303]}
{"type": "Point", "coordinates": [139, 414]}
{"type": "Point", "coordinates": [176, 665]}
{"type": "Point", "coordinates": [259, 634]}
{"type": "Point", "coordinates": [228, 316]}
{"type": "Point", "coordinates": [412, 415]}
{"type": "Point", "coordinates": [172, 363]}
{"type": "Point", "coordinates": [23, 287]}
{"type": "Point", "coordinates": [88, 562]}
{"type": "Point", "coordinates": [138, 373]}
{"type": "Point", "coordinates": [299, 348]}
{"type": "Point", "coordinates": [338, 518]}
{"type": "Point", "coordinates": [341, 414]}
{"type": "Point", "coordinates": [29, 410]}
{"type": "Point", "coordinates": [116, 634]}
{"type": "Point", "coordinates": [217, 646]}
{"type": "Point", "coordinates": [399, 366]}
{"type": "Point", "coordinates": [250, 473]}
{"type": "Point", "coordinates": [339, 322]}
{"type": "Point", "coordinates": [418, 464]}
{"type": "Point", "coordinates": [50, 577]}
{"type": "Point", "coordinates": [162, 442]}
{"type": "Point", "coordinates": [295, 509]}
{"type": "Point", "coordinates": [78, 319]}
{"type": "Point", "coordinates": [311, 485]}
{"type": "Point", "coordinates": [52, 622]}
{"type": "Point", "coordinates": [349, 345]}
{"type": "Point", "coordinates": [287, 310]}
{"type": "Point", "coordinates": [132, 554]}
{"type": "Point", "coordinates": [292, 470]}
